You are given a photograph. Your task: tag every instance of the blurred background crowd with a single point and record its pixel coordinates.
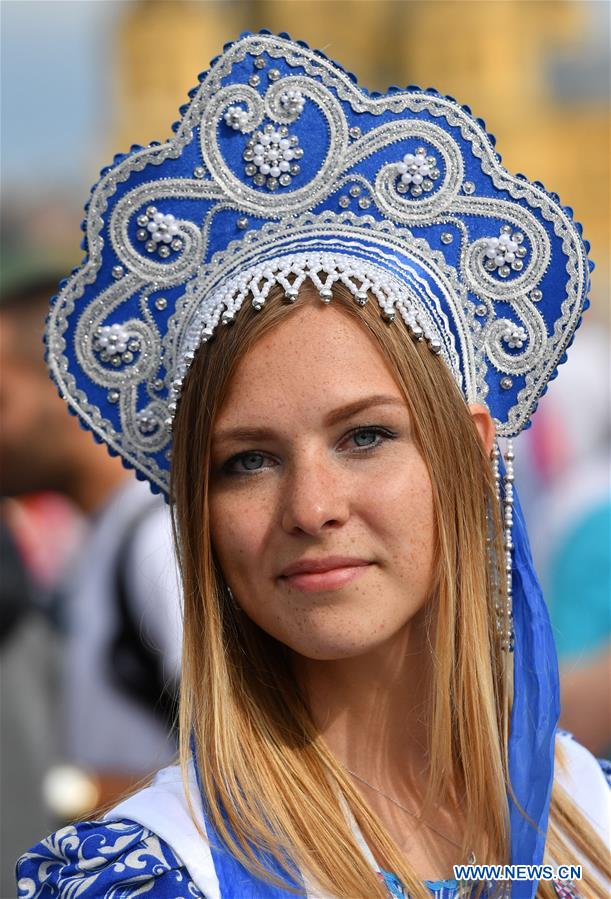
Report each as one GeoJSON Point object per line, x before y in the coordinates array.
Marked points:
{"type": "Point", "coordinates": [89, 608]}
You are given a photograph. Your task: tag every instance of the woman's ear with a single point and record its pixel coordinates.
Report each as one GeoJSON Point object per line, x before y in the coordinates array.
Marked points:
{"type": "Point", "coordinates": [484, 424]}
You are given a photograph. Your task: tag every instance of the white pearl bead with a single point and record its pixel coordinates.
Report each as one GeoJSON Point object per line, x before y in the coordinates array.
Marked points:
{"type": "Point", "coordinates": [409, 158]}
{"type": "Point", "coordinates": [259, 149]}
{"type": "Point", "coordinates": [274, 171]}
{"type": "Point", "coordinates": [500, 260]}
{"type": "Point", "coordinates": [284, 166]}
{"type": "Point", "coordinates": [284, 144]}
{"type": "Point", "coordinates": [265, 169]}
{"type": "Point", "coordinates": [401, 168]}
{"type": "Point", "coordinates": [259, 160]}
{"type": "Point", "coordinates": [417, 179]}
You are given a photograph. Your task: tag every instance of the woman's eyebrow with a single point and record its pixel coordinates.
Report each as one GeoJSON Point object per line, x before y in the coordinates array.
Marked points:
{"type": "Point", "coordinates": [333, 417]}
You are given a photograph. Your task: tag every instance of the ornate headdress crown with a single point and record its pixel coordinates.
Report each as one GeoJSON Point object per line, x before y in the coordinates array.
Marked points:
{"type": "Point", "coordinates": [282, 169]}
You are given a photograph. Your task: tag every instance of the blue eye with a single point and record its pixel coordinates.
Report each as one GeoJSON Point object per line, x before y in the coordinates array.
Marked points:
{"type": "Point", "coordinates": [250, 462]}
{"type": "Point", "coordinates": [379, 434]}
{"type": "Point", "coordinates": [364, 438]}
{"type": "Point", "coordinates": [365, 432]}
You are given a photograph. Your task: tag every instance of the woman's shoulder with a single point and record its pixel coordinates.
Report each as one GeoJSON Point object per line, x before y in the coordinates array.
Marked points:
{"type": "Point", "coordinates": [103, 858]}
{"type": "Point", "coordinates": [587, 780]}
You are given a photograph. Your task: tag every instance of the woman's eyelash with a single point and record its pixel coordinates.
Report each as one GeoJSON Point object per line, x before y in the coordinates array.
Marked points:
{"type": "Point", "coordinates": [378, 430]}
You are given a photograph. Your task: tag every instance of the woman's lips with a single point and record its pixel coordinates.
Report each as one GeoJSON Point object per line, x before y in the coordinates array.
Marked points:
{"type": "Point", "coordinates": [315, 581]}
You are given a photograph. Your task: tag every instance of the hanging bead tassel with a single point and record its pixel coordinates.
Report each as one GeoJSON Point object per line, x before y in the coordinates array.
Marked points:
{"type": "Point", "coordinates": [503, 609]}
{"type": "Point", "coordinates": [508, 479]}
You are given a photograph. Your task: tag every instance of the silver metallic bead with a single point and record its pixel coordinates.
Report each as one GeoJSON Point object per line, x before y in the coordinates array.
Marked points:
{"type": "Point", "coordinates": [344, 201]}
{"type": "Point", "coordinates": [294, 169]}
{"type": "Point", "coordinates": [361, 298]}
{"type": "Point", "coordinates": [518, 237]}
{"type": "Point", "coordinates": [290, 295]}
{"type": "Point", "coordinates": [468, 187]}
{"type": "Point", "coordinates": [158, 384]}
{"type": "Point", "coordinates": [521, 252]}
{"type": "Point", "coordinates": [536, 295]}
{"type": "Point", "coordinates": [354, 132]}
{"type": "Point", "coordinates": [285, 179]}
{"type": "Point", "coordinates": [481, 310]}
{"type": "Point", "coordinates": [272, 183]}
{"type": "Point", "coordinates": [259, 63]}
{"type": "Point", "coordinates": [242, 222]}
{"type": "Point", "coordinates": [164, 250]}
{"type": "Point", "coordinates": [254, 80]}
{"type": "Point", "coordinates": [504, 271]}
{"type": "Point", "coordinates": [259, 180]}
{"type": "Point", "coordinates": [388, 315]}
{"type": "Point", "coordinates": [133, 345]}
{"type": "Point", "coordinates": [151, 211]}
{"type": "Point", "coordinates": [113, 396]}
{"type": "Point", "coordinates": [248, 154]}
{"type": "Point", "coordinates": [416, 190]}
{"type": "Point", "coordinates": [143, 220]}
{"type": "Point", "coordinates": [364, 203]}
{"type": "Point", "coordinates": [355, 190]}
{"type": "Point", "coordinates": [273, 74]}
{"type": "Point", "coordinates": [447, 237]}
{"type": "Point", "coordinates": [176, 244]}
{"type": "Point", "coordinates": [506, 229]}
{"type": "Point", "coordinates": [250, 169]}
{"type": "Point", "coordinates": [199, 171]}
{"type": "Point", "coordinates": [506, 383]}
{"type": "Point", "coordinates": [161, 303]}
{"type": "Point", "coordinates": [326, 294]}
{"type": "Point", "coordinates": [142, 234]}
{"type": "Point", "coordinates": [127, 357]}
{"type": "Point", "coordinates": [517, 265]}
{"type": "Point", "coordinates": [118, 271]}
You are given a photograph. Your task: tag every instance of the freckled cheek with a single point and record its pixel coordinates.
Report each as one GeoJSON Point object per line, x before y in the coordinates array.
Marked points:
{"type": "Point", "coordinates": [400, 512]}
{"type": "Point", "coordinates": [238, 533]}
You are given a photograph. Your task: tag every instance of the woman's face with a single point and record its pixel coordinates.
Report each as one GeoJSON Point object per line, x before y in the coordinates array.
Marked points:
{"type": "Point", "coordinates": [314, 465]}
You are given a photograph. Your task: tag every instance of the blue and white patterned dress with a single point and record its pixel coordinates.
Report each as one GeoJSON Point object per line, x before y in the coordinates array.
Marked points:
{"type": "Point", "coordinates": [118, 858]}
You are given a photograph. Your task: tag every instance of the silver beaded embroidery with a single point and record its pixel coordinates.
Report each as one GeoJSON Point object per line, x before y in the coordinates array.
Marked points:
{"type": "Point", "coordinates": [170, 263]}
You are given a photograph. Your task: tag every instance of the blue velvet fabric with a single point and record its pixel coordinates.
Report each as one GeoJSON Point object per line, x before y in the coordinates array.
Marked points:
{"type": "Point", "coordinates": [536, 707]}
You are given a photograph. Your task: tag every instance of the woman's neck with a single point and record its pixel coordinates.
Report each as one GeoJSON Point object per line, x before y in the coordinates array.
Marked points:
{"type": "Point", "coordinates": [373, 710]}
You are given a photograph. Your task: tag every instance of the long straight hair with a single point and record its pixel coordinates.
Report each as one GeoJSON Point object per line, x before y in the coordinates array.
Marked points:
{"type": "Point", "coordinates": [271, 786]}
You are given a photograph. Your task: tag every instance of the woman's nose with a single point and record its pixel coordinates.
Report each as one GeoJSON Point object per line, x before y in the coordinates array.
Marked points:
{"type": "Point", "coordinates": [315, 497]}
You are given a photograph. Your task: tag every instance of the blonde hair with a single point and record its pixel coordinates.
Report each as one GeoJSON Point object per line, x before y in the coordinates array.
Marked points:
{"type": "Point", "coordinates": [271, 785]}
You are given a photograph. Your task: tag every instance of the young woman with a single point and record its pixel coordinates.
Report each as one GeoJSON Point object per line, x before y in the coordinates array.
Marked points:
{"type": "Point", "coordinates": [331, 356]}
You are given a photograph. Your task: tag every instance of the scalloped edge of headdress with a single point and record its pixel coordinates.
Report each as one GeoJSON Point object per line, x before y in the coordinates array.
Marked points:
{"type": "Point", "coordinates": [120, 157]}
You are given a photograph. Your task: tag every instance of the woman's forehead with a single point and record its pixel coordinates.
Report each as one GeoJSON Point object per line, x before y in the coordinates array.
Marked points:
{"type": "Point", "coordinates": [316, 360]}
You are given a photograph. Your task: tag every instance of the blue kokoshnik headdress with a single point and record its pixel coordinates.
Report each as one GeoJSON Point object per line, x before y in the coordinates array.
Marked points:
{"type": "Point", "coordinates": [283, 169]}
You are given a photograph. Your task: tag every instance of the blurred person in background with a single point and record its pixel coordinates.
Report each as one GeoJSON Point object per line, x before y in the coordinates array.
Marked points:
{"type": "Point", "coordinates": [565, 473]}
{"type": "Point", "coordinates": [117, 601]}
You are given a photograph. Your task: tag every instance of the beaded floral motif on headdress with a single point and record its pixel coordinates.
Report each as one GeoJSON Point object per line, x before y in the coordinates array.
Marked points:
{"type": "Point", "coordinates": [282, 169]}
